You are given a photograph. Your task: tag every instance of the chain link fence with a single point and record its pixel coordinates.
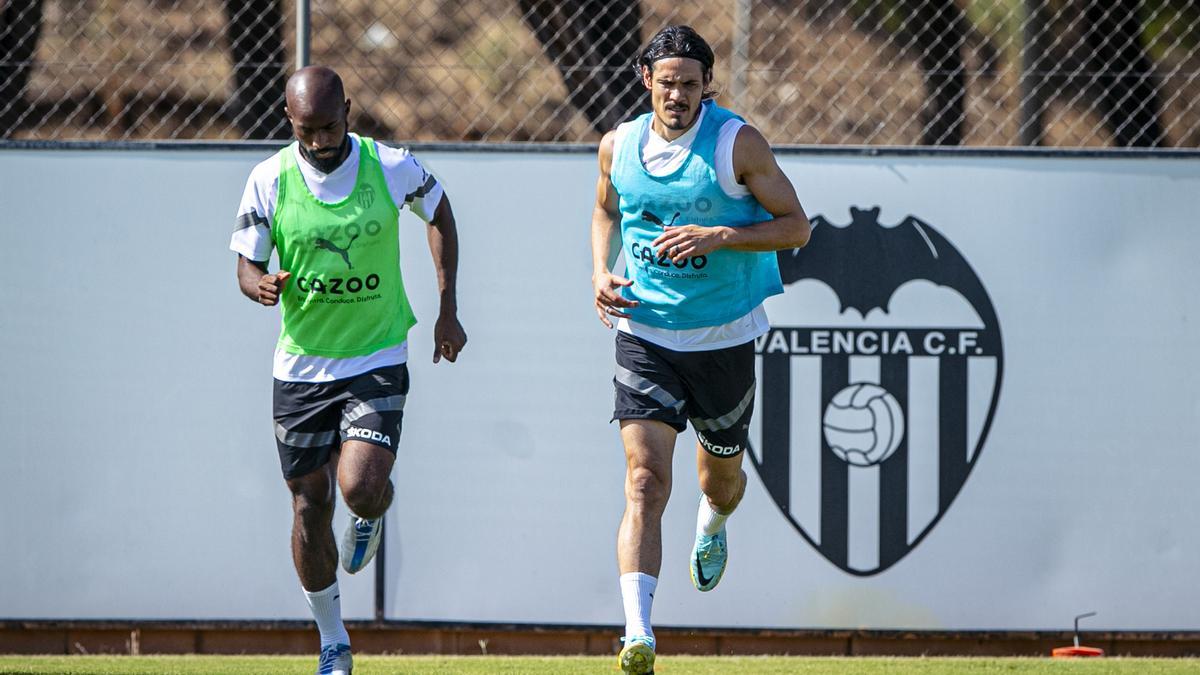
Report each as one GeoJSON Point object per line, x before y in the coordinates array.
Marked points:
{"type": "Point", "coordinates": [1065, 73]}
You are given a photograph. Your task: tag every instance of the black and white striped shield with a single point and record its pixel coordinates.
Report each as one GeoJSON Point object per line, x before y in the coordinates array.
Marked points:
{"type": "Point", "coordinates": [877, 385]}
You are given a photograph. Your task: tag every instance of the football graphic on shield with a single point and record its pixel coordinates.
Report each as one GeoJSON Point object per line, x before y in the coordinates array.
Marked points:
{"type": "Point", "coordinates": [863, 424]}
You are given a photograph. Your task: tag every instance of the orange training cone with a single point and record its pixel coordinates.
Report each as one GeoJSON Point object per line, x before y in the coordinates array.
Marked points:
{"type": "Point", "coordinates": [1076, 651]}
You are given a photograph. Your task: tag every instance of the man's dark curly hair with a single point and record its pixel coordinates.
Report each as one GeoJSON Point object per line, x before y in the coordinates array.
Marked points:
{"type": "Point", "coordinates": [678, 42]}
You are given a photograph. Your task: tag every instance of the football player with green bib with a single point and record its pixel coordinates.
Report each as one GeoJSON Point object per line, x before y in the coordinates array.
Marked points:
{"type": "Point", "coordinates": [328, 205]}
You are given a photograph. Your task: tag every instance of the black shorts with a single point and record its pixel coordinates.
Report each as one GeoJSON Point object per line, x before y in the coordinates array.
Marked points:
{"type": "Point", "coordinates": [713, 389]}
{"type": "Point", "coordinates": [312, 420]}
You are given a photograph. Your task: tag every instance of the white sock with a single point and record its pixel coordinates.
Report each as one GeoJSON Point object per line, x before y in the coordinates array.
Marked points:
{"type": "Point", "coordinates": [709, 522]}
{"type": "Point", "coordinates": [637, 593]}
{"type": "Point", "coordinates": [326, 608]}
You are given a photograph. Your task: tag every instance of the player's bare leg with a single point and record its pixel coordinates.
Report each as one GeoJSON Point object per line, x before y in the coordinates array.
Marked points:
{"type": "Point", "coordinates": [722, 479]}
{"type": "Point", "coordinates": [649, 445]}
{"type": "Point", "coordinates": [315, 555]}
{"type": "Point", "coordinates": [364, 476]}
{"type": "Point", "coordinates": [313, 549]}
{"type": "Point", "coordinates": [723, 483]}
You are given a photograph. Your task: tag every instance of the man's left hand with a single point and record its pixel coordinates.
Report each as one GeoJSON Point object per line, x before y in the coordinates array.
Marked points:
{"type": "Point", "coordinates": [681, 242]}
{"type": "Point", "coordinates": [449, 338]}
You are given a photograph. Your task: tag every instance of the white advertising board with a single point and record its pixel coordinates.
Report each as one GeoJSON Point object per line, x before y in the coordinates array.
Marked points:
{"type": "Point", "coordinates": [1028, 323]}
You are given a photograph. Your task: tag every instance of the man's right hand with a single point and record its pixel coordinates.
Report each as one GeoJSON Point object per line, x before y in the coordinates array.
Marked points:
{"type": "Point", "coordinates": [609, 301]}
{"type": "Point", "coordinates": [270, 286]}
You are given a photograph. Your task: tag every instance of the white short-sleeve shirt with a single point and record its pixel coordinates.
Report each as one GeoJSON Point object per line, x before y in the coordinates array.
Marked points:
{"type": "Point", "coordinates": [409, 184]}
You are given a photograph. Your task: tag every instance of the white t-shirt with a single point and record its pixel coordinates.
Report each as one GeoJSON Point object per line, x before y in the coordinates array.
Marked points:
{"type": "Point", "coordinates": [409, 184]}
{"type": "Point", "coordinates": [661, 158]}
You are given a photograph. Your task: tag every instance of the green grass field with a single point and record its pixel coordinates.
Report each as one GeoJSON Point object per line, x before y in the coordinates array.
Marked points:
{"type": "Point", "coordinates": [557, 665]}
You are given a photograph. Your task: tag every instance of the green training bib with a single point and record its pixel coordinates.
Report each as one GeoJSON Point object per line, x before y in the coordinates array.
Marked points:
{"type": "Point", "coordinates": [346, 295]}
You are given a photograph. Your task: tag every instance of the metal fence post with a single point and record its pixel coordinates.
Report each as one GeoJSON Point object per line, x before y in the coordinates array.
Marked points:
{"type": "Point", "coordinates": [739, 59]}
{"type": "Point", "coordinates": [303, 32]}
{"type": "Point", "coordinates": [1033, 77]}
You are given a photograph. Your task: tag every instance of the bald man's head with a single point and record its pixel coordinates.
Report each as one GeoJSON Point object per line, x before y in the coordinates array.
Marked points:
{"type": "Point", "coordinates": [314, 87]}
{"type": "Point", "coordinates": [318, 109]}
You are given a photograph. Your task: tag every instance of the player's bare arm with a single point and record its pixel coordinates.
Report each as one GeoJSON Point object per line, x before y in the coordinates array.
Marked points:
{"type": "Point", "coordinates": [449, 338]}
{"type": "Point", "coordinates": [755, 167]}
{"type": "Point", "coordinates": [257, 285]}
{"type": "Point", "coordinates": [606, 216]}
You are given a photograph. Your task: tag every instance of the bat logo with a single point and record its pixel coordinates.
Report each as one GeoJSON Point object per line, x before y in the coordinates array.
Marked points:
{"type": "Point", "coordinates": [879, 382]}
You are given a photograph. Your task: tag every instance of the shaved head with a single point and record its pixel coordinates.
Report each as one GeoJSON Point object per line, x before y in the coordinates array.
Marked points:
{"type": "Point", "coordinates": [314, 87]}
{"type": "Point", "coordinates": [318, 108]}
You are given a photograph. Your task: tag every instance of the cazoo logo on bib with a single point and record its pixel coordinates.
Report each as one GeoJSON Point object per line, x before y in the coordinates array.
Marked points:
{"type": "Point", "coordinates": [878, 383]}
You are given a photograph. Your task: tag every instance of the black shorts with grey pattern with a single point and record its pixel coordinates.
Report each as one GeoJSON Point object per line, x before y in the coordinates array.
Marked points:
{"type": "Point", "coordinates": [312, 420]}
{"type": "Point", "coordinates": [713, 389]}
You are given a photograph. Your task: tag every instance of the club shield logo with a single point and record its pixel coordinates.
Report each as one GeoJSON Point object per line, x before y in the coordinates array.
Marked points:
{"type": "Point", "coordinates": [878, 383]}
{"type": "Point", "coordinates": [365, 195]}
